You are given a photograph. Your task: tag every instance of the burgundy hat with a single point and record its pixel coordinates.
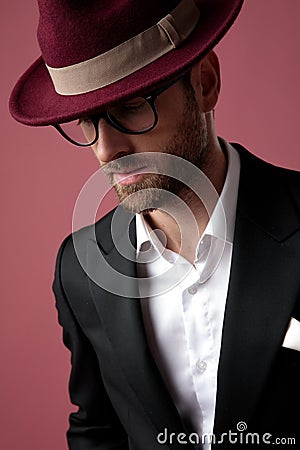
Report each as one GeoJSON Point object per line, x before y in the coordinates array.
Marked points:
{"type": "Point", "coordinates": [98, 52]}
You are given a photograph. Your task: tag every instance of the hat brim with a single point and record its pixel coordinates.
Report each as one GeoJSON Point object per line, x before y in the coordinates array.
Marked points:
{"type": "Point", "coordinates": [35, 102]}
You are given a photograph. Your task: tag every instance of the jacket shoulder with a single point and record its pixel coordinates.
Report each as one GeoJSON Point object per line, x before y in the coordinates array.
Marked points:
{"type": "Point", "coordinates": [269, 195]}
{"type": "Point", "coordinates": [77, 240]}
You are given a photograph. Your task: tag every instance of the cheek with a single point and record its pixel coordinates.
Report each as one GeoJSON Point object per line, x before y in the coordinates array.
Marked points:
{"type": "Point", "coordinates": [170, 113]}
{"type": "Point", "coordinates": [156, 140]}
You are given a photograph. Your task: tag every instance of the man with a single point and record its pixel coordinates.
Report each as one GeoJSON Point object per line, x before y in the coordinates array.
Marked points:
{"type": "Point", "coordinates": [181, 307]}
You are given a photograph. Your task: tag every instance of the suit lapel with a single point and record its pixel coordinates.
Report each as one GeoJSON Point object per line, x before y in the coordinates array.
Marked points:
{"type": "Point", "coordinates": [262, 291]}
{"type": "Point", "coordinates": [122, 319]}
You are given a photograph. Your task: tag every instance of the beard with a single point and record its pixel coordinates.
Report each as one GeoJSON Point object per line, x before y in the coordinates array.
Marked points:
{"type": "Point", "coordinates": [190, 142]}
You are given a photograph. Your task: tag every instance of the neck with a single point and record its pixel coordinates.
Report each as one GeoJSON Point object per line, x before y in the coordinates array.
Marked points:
{"type": "Point", "coordinates": [186, 220]}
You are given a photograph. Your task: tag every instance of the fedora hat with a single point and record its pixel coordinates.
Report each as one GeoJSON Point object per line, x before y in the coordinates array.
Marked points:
{"type": "Point", "coordinates": [98, 52]}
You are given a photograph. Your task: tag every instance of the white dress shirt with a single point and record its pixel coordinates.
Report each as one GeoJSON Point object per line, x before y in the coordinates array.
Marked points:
{"type": "Point", "coordinates": [183, 307]}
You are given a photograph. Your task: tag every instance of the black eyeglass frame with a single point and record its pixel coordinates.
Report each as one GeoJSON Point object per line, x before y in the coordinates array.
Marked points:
{"type": "Point", "coordinates": [150, 98]}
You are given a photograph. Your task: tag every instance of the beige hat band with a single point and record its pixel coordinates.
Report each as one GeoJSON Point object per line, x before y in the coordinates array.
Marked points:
{"type": "Point", "coordinates": [129, 56]}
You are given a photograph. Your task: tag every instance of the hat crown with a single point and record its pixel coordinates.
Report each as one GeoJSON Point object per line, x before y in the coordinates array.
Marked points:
{"type": "Point", "coordinates": [87, 69]}
{"type": "Point", "coordinates": [72, 31]}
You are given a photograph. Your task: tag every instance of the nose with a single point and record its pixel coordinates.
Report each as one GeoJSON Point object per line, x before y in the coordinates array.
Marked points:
{"type": "Point", "coordinates": [112, 144]}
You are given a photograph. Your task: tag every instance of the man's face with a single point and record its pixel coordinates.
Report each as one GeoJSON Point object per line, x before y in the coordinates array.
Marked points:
{"type": "Point", "coordinates": [181, 131]}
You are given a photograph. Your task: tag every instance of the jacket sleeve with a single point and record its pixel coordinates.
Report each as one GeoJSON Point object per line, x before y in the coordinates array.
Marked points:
{"type": "Point", "coordinates": [95, 425]}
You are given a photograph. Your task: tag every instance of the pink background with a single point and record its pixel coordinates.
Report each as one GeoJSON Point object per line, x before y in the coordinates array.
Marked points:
{"type": "Point", "coordinates": [41, 176]}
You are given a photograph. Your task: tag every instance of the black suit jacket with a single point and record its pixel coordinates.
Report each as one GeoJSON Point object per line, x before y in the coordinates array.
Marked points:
{"type": "Point", "coordinates": [121, 398]}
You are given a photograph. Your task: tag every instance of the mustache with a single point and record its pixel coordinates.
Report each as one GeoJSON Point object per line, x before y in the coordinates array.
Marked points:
{"type": "Point", "coordinates": [130, 163]}
{"type": "Point", "coordinates": [152, 162]}
{"type": "Point", "coordinates": [112, 167]}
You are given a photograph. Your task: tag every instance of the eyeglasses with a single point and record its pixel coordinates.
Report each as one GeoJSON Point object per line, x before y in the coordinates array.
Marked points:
{"type": "Point", "coordinates": [135, 116]}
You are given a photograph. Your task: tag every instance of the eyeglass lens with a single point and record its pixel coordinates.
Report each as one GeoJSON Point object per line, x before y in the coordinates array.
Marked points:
{"type": "Point", "coordinates": [80, 131]}
{"type": "Point", "coordinates": [134, 116]}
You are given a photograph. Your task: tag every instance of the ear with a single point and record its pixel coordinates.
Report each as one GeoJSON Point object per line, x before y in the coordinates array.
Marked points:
{"type": "Point", "coordinates": [205, 79]}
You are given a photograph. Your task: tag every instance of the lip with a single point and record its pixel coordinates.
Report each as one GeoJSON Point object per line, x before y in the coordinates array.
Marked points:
{"type": "Point", "coordinates": [130, 176]}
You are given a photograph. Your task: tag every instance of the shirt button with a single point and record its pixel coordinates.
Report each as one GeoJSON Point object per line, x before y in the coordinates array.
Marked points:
{"type": "Point", "coordinates": [201, 365]}
{"type": "Point", "coordinates": [192, 290]}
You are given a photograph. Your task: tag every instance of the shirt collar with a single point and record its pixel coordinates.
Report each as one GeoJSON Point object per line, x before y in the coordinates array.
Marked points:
{"type": "Point", "coordinates": [144, 233]}
{"type": "Point", "coordinates": [228, 198]}
{"type": "Point", "coordinates": [225, 205]}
